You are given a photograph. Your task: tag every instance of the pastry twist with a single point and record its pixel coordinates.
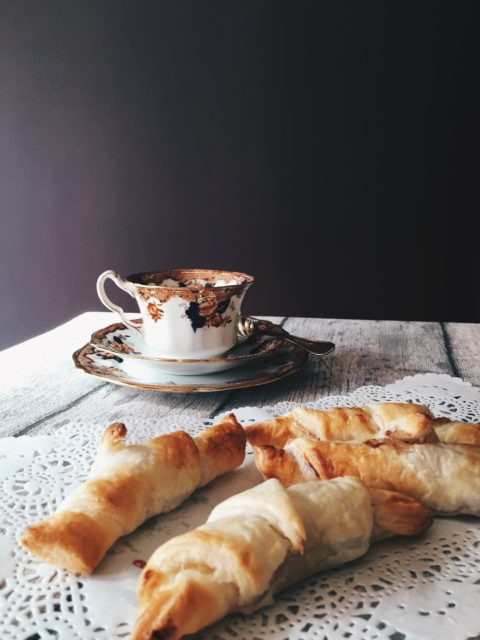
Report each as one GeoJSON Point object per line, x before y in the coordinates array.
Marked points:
{"type": "Point", "coordinates": [259, 542]}
{"type": "Point", "coordinates": [403, 421]}
{"type": "Point", "coordinates": [444, 477]}
{"type": "Point", "coordinates": [127, 485]}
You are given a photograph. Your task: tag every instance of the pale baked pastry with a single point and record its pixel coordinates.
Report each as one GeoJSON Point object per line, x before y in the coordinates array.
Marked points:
{"type": "Point", "coordinates": [404, 421]}
{"type": "Point", "coordinates": [259, 542]}
{"type": "Point", "coordinates": [444, 477]}
{"type": "Point", "coordinates": [127, 485]}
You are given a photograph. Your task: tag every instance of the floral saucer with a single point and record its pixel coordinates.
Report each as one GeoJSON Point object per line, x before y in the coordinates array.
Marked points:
{"type": "Point", "coordinates": [119, 340]}
{"type": "Point", "coordinates": [286, 360]}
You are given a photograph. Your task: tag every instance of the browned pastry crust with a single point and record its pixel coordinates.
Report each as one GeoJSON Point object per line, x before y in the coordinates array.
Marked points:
{"type": "Point", "coordinates": [188, 607]}
{"type": "Point", "coordinates": [452, 432]}
{"type": "Point", "coordinates": [76, 542]}
{"type": "Point", "coordinates": [444, 477]}
{"type": "Point", "coordinates": [243, 555]}
{"type": "Point", "coordinates": [397, 515]}
{"type": "Point", "coordinates": [409, 422]}
{"type": "Point", "coordinates": [127, 485]}
{"type": "Point", "coordinates": [220, 449]}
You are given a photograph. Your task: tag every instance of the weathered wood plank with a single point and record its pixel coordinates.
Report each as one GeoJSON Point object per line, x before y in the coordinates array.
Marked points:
{"type": "Point", "coordinates": [112, 403]}
{"type": "Point", "coordinates": [368, 352]}
{"type": "Point", "coordinates": [463, 345]}
{"type": "Point", "coordinates": [38, 377]}
{"type": "Point", "coordinates": [374, 352]}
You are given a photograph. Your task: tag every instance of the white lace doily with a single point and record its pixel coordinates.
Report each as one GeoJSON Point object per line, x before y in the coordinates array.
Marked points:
{"type": "Point", "coordinates": [402, 589]}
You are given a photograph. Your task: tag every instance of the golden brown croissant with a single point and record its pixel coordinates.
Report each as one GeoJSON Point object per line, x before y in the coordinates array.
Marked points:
{"type": "Point", "coordinates": [444, 477]}
{"type": "Point", "coordinates": [259, 542]}
{"type": "Point", "coordinates": [128, 484]}
{"type": "Point", "coordinates": [405, 421]}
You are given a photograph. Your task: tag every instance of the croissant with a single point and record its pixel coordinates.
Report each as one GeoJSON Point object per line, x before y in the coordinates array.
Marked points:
{"type": "Point", "coordinates": [404, 421]}
{"type": "Point", "coordinates": [444, 477]}
{"type": "Point", "coordinates": [128, 484]}
{"type": "Point", "coordinates": [257, 543]}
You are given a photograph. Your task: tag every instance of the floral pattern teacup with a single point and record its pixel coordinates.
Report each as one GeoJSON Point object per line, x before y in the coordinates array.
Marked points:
{"type": "Point", "coordinates": [186, 313]}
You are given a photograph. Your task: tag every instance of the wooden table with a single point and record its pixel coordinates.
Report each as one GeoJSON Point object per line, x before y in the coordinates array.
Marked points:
{"type": "Point", "coordinates": [40, 389]}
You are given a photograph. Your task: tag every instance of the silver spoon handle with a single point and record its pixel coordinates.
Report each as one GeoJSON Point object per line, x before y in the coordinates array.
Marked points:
{"type": "Point", "coordinates": [249, 326]}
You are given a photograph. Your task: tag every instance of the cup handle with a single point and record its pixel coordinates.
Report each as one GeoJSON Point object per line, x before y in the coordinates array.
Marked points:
{"type": "Point", "coordinates": [122, 284]}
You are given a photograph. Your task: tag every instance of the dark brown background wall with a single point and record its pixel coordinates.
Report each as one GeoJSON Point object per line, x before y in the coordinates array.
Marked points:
{"type": "Point", "coordinates": [331, 149]}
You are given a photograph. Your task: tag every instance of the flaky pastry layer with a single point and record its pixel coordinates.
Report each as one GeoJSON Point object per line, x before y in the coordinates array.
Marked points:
{"type": "Point", "coordinates": [129, 484]}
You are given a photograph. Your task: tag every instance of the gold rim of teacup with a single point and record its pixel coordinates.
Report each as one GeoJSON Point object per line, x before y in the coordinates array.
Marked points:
{"type": "Point", "coordinates": [209, 275]}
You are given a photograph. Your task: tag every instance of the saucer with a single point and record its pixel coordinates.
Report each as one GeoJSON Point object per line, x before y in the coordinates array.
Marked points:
{"type": "Point", "coordinates": [119, 340]}
{"type": "Point", "coordinates": [286, 360]}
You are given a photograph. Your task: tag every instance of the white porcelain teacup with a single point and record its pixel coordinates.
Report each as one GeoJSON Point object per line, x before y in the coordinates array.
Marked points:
{"type": "Point", "coordinates": [186, 313]}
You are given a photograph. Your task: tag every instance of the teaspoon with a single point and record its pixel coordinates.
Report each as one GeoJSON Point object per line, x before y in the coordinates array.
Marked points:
{"type": "Point", "coordinates": [248, 326]}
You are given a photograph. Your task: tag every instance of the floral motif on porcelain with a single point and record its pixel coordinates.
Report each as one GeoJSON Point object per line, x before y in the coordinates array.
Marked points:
{"type": "Point", "coordinates": [155, 310]}
{"type": "Point", "coordinates": [207, 312]}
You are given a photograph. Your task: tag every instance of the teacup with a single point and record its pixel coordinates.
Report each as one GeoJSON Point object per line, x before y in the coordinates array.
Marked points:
{"type": "Point", "coordinates": [186, 313]}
